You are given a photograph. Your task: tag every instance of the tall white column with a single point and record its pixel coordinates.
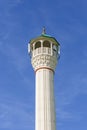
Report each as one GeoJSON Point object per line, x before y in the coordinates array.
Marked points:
{"type": "Point", "coordinates": [44, 51]}
{"type": "Point", "coordinates": [44, 66]}
{"type": "Point", "coordinates": [45, 110]}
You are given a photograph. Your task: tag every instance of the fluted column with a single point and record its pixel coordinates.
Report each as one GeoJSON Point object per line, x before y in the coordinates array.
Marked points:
{"type": "Point", "coordinates": [44, 66]}
{"type": "Point", "coordinates": [45, 106]}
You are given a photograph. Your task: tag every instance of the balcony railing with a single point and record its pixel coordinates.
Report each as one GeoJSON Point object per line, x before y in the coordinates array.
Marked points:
{"type": "Point", "coordinates": [44, 50]}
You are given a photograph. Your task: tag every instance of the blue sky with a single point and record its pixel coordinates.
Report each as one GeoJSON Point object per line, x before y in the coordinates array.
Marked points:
{"type": "Point", "coordinates": [22, 20]}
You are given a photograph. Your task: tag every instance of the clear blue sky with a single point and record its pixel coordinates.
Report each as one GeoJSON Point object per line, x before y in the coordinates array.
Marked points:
{"type": "Point", "coordinates": [22, 20]}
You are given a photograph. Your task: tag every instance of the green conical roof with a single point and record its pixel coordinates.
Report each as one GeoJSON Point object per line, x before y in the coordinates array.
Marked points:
{"type": "Point", "coordinates": [45, 37]}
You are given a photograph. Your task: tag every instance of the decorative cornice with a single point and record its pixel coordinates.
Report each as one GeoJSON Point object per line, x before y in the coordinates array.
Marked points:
{"type": "Point", "coordinates": [44, 60]}
{"type": "Point", "coordinates": [44, 68]}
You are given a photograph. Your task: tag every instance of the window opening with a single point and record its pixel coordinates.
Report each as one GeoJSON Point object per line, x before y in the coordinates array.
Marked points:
{"type": "Point", "coordinates": [46, 44]}
{"type": "Point", "coordinates": [54, 48]}
{"type": "Point", "coordinates": [38, 44]}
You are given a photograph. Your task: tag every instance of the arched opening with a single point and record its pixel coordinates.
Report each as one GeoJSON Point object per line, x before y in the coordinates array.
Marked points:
{"type": "Point", "coordinates": [54, 47]}
{"type": "Point", "coordinates": [46, 44]}
{"type": "Point", "coordinates": [32, 47]}
{"type": "Point", "coordinates": [55, 50]}
{"type": "Point", "coordinates": [38, 44]}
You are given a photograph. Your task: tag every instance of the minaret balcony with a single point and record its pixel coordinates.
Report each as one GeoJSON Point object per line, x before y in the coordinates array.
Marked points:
{"type": "Point", "coordinates": [41, 50]}
{"type": "Point", "coordinates": [44, 51]}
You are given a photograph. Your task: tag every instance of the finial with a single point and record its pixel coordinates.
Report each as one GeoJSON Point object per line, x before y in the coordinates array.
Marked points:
{"type": "Point", "coordinates": [44, 30]}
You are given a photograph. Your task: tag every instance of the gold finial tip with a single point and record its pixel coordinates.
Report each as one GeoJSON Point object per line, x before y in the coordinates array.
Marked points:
{"type": "Point", "coordinates": [44, 30]}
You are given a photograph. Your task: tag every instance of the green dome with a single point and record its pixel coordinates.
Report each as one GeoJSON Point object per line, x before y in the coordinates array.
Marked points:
{"type": "Point", "coordinates": [45, 37]}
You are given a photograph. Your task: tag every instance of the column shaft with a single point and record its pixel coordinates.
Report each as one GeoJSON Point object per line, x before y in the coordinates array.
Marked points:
{"type": "Point", "coordinates": [44, 100]}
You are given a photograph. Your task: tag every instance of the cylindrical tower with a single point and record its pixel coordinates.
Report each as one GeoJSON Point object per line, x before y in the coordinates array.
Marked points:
{"type": "Point", "coordinates": [44, 51]}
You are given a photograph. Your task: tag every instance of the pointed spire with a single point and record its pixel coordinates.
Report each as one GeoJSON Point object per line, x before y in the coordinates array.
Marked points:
{"type": "Point", "coordinates": [44, 31]}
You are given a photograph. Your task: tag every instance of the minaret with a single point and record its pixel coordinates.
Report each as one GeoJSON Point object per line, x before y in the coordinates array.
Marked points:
{"type": "Point", "coordinates": [44, 51]}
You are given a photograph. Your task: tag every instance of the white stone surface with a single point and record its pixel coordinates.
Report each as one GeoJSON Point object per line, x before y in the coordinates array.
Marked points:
{"type": "Point", "coordinates": [44, 61]}
{"type": "Point", "coordinates": [45, 108]}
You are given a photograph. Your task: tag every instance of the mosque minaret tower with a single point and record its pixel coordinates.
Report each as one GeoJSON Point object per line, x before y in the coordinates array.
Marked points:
{"type": "Point", "coordinates": [44, 51]}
